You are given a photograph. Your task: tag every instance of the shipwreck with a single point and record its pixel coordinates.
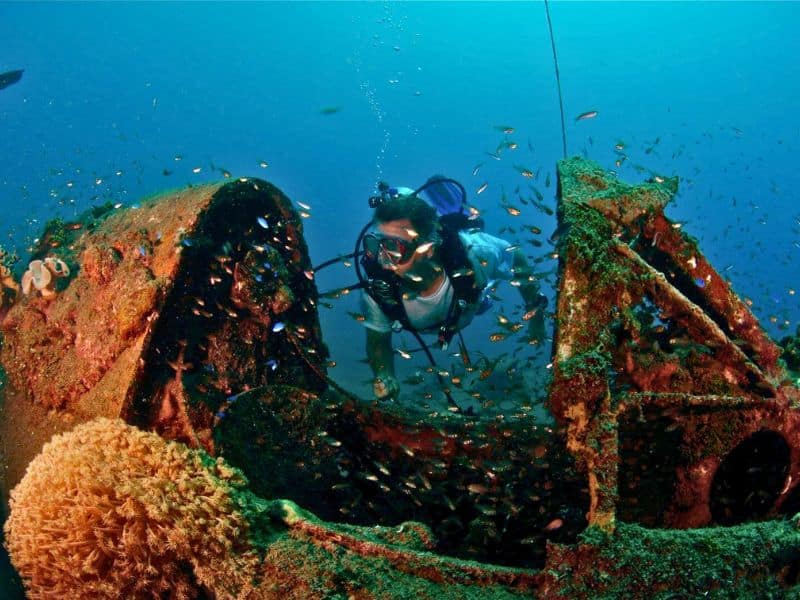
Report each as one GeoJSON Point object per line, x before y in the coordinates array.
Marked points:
{"type": "Point", "coordinates": [184, 334]}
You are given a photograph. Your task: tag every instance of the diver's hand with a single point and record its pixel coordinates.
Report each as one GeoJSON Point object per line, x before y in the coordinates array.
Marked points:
{"type": "Point", "coordinates": [385, 387]}
{"type": "Point", "coordinates": [536, 330]}
{"type": "Point", "coordinates": [535, 305]}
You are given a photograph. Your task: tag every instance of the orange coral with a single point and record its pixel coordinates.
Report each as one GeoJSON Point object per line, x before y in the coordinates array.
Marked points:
{"type": "Point", "coordinates": [109, 511]}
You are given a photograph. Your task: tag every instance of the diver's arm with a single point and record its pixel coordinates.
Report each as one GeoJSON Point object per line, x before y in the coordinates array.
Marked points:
{"type": "Point", "coordinates": [381, 360]}
{"type": "Point", "coordinates": [379, 352]}
{"type": "Point", "coordinates": [528, 287]}
{"type": "Point", "coordinates": [535, 302]}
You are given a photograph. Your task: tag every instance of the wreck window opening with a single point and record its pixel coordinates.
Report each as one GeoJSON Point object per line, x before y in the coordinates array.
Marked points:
{"type": "Point", "coordinates": [750, 479]}
{"type": "Point", "coordinates": [653, 351]}
{"type": "Point", "coordinates": [689, 287]}
{"type": "Point", "coordinates": [494, 486]}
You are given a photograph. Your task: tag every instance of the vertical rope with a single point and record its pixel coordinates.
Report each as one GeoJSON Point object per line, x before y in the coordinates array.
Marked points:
{"type": "Point", "coordinates": [558, 79]}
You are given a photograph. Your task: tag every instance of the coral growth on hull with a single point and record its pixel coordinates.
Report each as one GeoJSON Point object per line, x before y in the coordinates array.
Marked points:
{"type": "Point", "coordinates": [674, 412]}
{"type": "Point", "coordinates": [109, 511]}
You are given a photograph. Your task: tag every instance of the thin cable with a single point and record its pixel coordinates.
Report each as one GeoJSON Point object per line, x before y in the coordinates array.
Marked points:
{"type": "Point", "coordinates": [558, 78]}
{"type": "Point", "coordinates": [332, 261]}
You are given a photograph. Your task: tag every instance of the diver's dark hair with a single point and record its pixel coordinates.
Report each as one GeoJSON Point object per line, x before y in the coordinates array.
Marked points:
{"type": "Point", "coordinates": [421, 214]}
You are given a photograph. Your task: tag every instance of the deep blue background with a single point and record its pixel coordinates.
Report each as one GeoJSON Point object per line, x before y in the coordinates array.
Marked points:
{"type": "Point", "coordinates": [421, 89]}
{"type": "Point", "coordinates": [119, 87]}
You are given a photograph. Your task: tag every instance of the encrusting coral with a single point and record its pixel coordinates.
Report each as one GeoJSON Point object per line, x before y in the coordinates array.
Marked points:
{"type": "Point", "coordinates": [42, 275]}
{"type": "Point", "coordinates": [109, 511]}
{"type": "Point", "coordinates": [6, 278]}
{"type": "Point", "coordinates": [8, 287]}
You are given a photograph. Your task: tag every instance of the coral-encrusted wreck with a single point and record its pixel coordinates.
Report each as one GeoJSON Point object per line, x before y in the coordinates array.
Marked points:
{"type": "Point", "coordinates": [194, 316]}
{"type": "Point", "coordinates": [676, 405]}
{"type": "Point", "coordinates": [647, 329]}
{"type": "Point", "coordinates": [172, 306]}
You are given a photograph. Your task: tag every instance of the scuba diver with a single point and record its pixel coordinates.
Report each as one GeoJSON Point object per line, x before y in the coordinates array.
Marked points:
{"type": "Point", "coordinates": [429, 267]}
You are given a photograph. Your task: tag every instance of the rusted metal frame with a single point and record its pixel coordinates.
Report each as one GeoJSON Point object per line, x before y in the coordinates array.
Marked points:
{"type": "Point", "coordinates": [423, 564]}
{"type": "Point", "coordinates": [716, 291]}
{"type": "Point", "coordinates": [593, 438]}
{"type": "Point", "coordinates": [668, 297]}
{"type": "Point", "coordinates": [639, 211]}
{"type": "Point", "coordinates": [591, 424]}
{"type": "Point", "coordinates": [628, 207]}
{"type": "Point", "coordinates": [673, 400]}
{"type": "Point", "coordinates": [602, 436]}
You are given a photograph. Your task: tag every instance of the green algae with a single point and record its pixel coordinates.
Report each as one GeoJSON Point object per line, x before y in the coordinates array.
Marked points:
{"type": "Point", "coordinates": [8, 259]}
{"type": "Point", "coordinates": [55, 232]}
{"type": "Point", "coordinates": [594, 362]}
{"type": "Point", "coordinates": [339, 577]}
{"type": "Point", "coordinates": [790, 350]}
{"type": "Point", "coordinates": [338, 572]}
{"type": "Point", "coordinates": [589, 241]}
{"type": "Point", "coordinates": [746, 561]}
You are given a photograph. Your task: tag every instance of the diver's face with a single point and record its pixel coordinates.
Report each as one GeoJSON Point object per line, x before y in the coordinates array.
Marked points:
{"type": "Point", "coordinates": [403, 230]}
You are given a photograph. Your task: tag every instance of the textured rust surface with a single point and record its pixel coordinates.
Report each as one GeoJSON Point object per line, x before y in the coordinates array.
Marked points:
{"type": "Point", "coordinates": [169, 309]}
{"type": "Point", "coordinates": [645, 324]}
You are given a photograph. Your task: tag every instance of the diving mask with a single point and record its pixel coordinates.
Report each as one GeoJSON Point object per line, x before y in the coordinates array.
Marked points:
{"type": "Point", "coordinates": [389, 250]}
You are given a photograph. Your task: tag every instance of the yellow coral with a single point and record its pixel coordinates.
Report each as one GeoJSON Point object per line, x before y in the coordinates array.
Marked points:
{"type": "Point", "coordinates": [109, 511]}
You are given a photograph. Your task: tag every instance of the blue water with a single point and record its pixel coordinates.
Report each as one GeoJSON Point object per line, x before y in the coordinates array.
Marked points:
{"type": "Point", "coordinates": [421, 89]}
